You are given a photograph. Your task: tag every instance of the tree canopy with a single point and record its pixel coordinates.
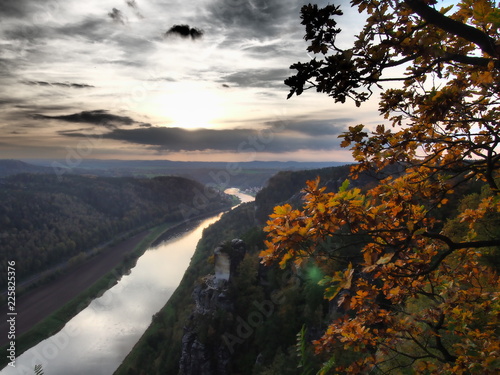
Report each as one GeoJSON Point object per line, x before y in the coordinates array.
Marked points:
{"type": "Point", "coordinates": [418, 296]}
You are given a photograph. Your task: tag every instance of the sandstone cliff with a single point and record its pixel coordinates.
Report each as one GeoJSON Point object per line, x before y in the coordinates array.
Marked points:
{"type": "Point", "coordinates": [202, 353]}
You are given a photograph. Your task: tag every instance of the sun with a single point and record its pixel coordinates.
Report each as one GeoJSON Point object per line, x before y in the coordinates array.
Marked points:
{"type": "Point", "coordinates": [190, 106]}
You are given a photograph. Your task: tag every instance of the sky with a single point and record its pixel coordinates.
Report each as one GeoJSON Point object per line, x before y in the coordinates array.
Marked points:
{"type": "Point", "coordinates": [197, 80]}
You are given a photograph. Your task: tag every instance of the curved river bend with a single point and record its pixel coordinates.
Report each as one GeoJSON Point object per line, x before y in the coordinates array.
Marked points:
{"type": "Point", "coordinates": [98, 339]}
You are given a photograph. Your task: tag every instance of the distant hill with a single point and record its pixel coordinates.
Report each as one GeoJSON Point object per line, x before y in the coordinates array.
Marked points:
{"type": "Point", "coordinates": [242, 175]}
{"type": "Point", "coordinates": [10, 167]}
{"type": "Point", "coordinates": [131, 164]}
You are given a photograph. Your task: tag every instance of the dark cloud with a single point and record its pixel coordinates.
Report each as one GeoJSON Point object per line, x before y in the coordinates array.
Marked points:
{"type": "Point", "coordinates": [97, 117]}
{"type": "Point", "coordinates": [165, 79]}
{"type": "Point", "coordinates": [60, 84]}
{"type": "Point", "coordinates": [91, 28]}
{"type": "Point", "coordinates": [184, 31]}
{"type": "Point", "coordinates": [315, 128]}
{"type": "Point", "coordinates": [24, 40]}
{"type": "Point", "coordinates": [15, 8]}
{"type": "Point", "coordinates": [258, 77]}
{"type": "Point", "coordinates": [31, 126]}
{"type": "Point", "coordinates": [8, 102]}
{"type": "Point", "coordinates": [79, 130]}
{"type": "Point", "coordinates": [133, 4]}
{"type": "Point", "coordinates": [26, 33]}
{"type": "Point", "coordinates": [135, 46]}
{"type": "Point", "coordinates": [253, 18]}
{"type": "Point", "coordinates": [36, 108]}
{"type": "Point", "coordinates": [227, 140]}
{"type": "Point", "coordinates": [117, 16]}
{"type": "Point", "coordinates": [275, 49]}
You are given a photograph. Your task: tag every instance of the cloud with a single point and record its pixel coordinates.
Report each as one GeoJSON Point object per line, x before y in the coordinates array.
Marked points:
{"type": "Point", "coordinates": [248, 19]}
{"type": "Point", "coordinates": [184, 31]}
{"type": "Point", "coordinates": [164, 79]}
{"type": "Point", "coordinates": [133, 4]}
{"type": "Point", "coordinates": [97, 117]}
{"type": "Point", "coordinates": [315, 128]}
{"type": "Point", "coordinates": [226, 140]}
{"type": "Point", "coordinates": [272, 77]}
{"type": "Point", "coordinates": [61, 84]}
{"type": "Point", "coordinates": [117, 16]}
{"type": "Point", "coordinates": [14, 8]}
{"type": "Point", "coordinates": [29, 107]}
{"type": "Point", "coordinates": [90, 28]}
{"type": "Point", "coordinates": [24, 40]}
{"type": "Point", "coordinates": [79, 130]}
{"type": "Point", "coordinates": [8, 102]}
{"type": "Point", "coordinates": [271, 48]}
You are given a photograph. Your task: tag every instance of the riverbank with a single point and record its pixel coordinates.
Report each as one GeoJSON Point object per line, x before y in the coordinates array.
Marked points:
{"type": "Point", "coordinates": [45, 310]}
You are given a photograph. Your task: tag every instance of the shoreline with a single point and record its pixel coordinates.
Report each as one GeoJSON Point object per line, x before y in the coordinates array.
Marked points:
{"type": "Point", "coordinates": [44, 310]}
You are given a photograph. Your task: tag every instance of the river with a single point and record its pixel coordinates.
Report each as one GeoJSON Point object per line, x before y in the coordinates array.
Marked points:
{"type": "Point", "coordinates": [97, 339]}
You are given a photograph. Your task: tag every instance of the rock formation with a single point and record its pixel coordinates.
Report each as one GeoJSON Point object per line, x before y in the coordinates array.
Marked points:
{"type": "Point", "coordinates": [203, 354]}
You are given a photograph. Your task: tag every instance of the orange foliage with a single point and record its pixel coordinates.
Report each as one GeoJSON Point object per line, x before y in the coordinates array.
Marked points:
{"type": "Point", "coordinates": [416, 297]}
{"type": "Point", "coordinates": [427, 298]}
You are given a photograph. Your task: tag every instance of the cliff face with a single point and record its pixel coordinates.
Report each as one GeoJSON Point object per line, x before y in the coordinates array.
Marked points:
{"type": "Point", "coordinates": [201, 353]}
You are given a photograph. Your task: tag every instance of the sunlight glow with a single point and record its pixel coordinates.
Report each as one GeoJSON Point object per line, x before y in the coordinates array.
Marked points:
{"type": "Point", "coordinates": [190, 106]}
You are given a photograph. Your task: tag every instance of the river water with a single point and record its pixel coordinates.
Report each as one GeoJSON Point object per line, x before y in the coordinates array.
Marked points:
{"type": "Point", "coordinates": [97, 339]}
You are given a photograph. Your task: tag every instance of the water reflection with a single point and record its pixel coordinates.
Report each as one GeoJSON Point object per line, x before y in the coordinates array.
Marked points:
{"type": "Point", "coordinates": [243, 197]}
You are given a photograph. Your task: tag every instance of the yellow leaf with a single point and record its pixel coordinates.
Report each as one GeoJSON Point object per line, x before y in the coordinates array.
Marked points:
{"type": "Point", "coordinates": [282, 210]}
{"type": "Point", "coordinates": [385, 259]}
{"type": "Point", "coordinates": [394, 291]}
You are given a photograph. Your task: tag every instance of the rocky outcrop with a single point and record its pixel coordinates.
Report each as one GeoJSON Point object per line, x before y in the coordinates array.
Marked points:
{"type": "Point", "coordinates": [204, 353]}
{"type": "Point", "coordinates": [227, 258]}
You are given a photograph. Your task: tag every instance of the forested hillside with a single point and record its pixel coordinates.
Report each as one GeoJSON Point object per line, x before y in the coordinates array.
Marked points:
{"type": "Point", "coordinates": [287, 185]}
{"type": "Point", "coordinates": [46, 219]}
